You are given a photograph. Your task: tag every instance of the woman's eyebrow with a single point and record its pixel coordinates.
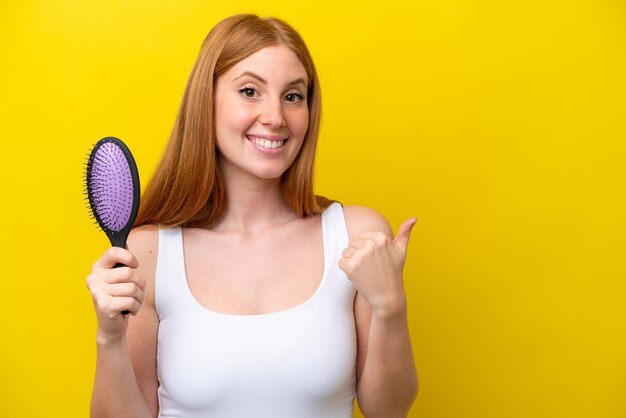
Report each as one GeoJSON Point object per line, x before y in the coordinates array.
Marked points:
{"type": "Point", "coordinates": [258, 77]}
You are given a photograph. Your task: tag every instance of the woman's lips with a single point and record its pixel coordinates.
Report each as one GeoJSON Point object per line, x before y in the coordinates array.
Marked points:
{"type": "Point", "coordinates": [267, 142]}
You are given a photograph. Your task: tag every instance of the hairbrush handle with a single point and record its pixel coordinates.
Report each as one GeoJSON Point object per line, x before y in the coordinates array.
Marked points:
{"type": "Point", "coordinates": [118, 239]}
{"type": "Point", "coordinates": [126, 312]}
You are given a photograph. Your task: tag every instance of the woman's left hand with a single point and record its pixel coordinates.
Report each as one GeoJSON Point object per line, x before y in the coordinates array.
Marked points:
{"type": "Point", "coordinates": [374, 263]}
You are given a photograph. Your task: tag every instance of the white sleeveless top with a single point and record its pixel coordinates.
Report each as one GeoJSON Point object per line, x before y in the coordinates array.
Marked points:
{"type": "Point", "coordinates": [295, 363]}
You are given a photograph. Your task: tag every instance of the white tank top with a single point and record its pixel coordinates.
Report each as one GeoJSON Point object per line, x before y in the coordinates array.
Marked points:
{"type": "Point", "coordinates": [295, 363]}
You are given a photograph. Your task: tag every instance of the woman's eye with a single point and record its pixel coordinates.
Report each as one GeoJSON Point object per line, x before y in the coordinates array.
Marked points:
{"type": "Point", "coordinates": [248, 92]}
{"type": "Point", "coordinates": [294, 97]}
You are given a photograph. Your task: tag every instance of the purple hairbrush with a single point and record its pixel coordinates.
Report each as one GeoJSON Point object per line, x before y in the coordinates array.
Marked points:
{"type": "Point", "coordinates": [112, 188]}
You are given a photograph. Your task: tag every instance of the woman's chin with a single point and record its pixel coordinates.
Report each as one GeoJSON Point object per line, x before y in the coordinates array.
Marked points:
{"type": "Point", "coordinates": [265, 174]}
{"type": "Point", "coordinates": [271, 175]}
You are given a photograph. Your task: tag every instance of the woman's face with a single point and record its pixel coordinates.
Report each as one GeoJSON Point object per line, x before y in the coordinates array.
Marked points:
{"type": "Point", "coordinates": [261, 113]}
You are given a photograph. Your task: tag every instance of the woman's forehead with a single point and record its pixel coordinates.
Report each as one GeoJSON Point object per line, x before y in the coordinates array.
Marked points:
{"type": "Point", "coordinates": [270, 64]}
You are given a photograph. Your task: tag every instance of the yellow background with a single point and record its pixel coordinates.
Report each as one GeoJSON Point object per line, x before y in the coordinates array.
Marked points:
{"type": "Point", "coordinates": [501, 125]}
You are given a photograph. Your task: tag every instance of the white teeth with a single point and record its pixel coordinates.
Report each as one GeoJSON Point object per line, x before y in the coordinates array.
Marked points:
{"type": "Point", "coordinates": [265, 143]}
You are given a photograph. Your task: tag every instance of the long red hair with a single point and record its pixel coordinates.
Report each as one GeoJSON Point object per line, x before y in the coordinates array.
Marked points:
{"type": "Point", "coordinates": [187, 188]}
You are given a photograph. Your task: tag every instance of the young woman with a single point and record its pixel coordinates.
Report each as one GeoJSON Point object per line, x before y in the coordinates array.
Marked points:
{"type": "Point", "coordinates": [249, 295]}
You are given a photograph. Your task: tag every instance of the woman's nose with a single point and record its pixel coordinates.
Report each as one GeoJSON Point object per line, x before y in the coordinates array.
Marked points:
{"type": "Point", "coordinates": [272, 114]}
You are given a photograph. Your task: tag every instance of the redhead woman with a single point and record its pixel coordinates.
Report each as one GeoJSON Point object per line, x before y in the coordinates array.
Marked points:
{"type": "Point", "coordinates": [249, 296]}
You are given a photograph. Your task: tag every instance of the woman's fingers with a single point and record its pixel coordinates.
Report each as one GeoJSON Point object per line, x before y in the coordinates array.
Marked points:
{"type": "Point", "coordinates": [113, 306]}
{"type": "Point", "coordinates": [113, 256]}
{"type": "Point", "coordinates": [116, 284]}
{"type": "Point", "coordinates": [116, 275]}
{"type": "Point", "coordinates": [369, 239]}
{"type": "Point", "coordinates": [401, 241]}
{"type": "Point", "coordinates": [126, 290]}
{"type": "Point", "coordinates": [116, 289]}
{"type": "Point", "coordinates": [349, 252]}
{"type": "Point", "coordinates": [111, 299]}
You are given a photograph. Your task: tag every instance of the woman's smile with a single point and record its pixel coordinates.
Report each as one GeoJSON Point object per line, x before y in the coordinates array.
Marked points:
{"type": "Point", "coordinates": [264, 144]}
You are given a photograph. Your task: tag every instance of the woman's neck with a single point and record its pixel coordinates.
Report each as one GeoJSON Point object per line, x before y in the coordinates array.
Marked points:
{"type": "Point", "coordinates": [253, 204]}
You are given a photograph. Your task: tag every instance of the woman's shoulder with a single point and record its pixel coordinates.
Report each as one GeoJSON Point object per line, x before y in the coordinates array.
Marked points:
{"type": "Point", "coordinates": [143, 242]}
{"type": "Point", "coordinates": [144, 235]}
{"type": "Point", "coordinates": [361, 219]}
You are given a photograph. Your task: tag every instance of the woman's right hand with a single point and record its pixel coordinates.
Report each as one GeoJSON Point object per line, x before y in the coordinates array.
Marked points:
{"type": "Point", "coordinates": [115, 290]}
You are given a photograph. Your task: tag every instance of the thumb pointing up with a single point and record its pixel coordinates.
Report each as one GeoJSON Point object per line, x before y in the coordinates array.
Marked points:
{"type": "Point", "coordinates": [401, 241]}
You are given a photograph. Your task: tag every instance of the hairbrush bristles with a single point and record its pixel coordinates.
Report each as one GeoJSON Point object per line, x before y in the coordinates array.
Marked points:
{"type": "Point", "coordinates": [112, 188]}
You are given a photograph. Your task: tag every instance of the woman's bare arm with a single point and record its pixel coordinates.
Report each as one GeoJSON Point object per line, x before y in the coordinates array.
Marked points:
{"type": "Point", "coordinates": [386, 377]}
{"type": "Point", "coordinates": [125, 382]}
